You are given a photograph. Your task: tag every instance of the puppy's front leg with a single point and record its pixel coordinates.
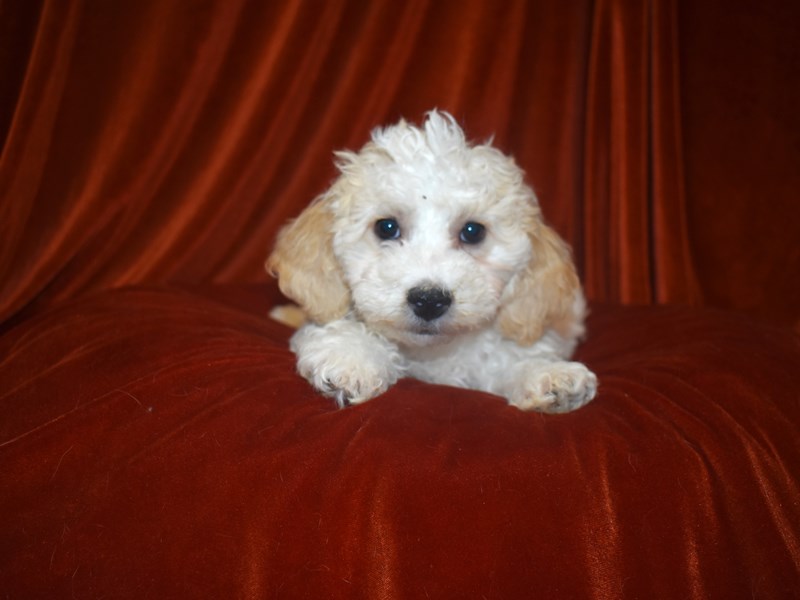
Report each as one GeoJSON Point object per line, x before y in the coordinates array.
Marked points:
{"type": "Point", "coordinates": [345, 361]}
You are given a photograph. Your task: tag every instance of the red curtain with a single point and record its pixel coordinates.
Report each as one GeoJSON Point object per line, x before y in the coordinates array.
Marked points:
{"type": "Point", "coordinates": [166, 141]}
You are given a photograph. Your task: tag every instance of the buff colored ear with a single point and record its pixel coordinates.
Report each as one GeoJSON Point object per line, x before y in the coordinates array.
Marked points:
{"type": "Point", "coordinates": [304, 263]}
{"type": "Point", "coordinates": [542, 295]}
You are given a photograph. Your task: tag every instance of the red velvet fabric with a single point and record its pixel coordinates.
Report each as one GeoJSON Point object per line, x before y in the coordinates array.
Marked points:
{"type": "Point", "coordinates": [156, 441]}
{"type": "Point", "coordinates": [157, 444]}
{"type": "Point", "coordinates": [152, 142]}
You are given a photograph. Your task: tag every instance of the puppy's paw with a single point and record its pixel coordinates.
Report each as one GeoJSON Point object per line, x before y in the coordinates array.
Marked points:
{"type": "Point", "coordinates": [344, 361]}
{"type": "Point", "coordinates": [556, 387]}
{"type": "Point", "coordinates": [350, 379]}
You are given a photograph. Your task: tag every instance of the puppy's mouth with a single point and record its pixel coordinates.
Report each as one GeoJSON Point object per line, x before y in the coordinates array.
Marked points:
{"type": "Point", "coordinates": [420, 335]}
{"type": "Point", "coordinates": [426, 330]}
{"type": "Point", "coordinates": [415, 332]}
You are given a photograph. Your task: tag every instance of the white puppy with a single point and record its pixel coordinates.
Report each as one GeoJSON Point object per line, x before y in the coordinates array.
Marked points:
{"type": "Point", "coordinates": [428, 258]}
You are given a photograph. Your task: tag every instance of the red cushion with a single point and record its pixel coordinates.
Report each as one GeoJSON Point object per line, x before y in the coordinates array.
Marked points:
{"type": "Point", "coordinates": [157, 443]}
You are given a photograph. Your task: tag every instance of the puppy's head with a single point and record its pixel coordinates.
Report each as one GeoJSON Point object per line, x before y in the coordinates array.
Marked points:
{"type": "Point", "coordinates": [425, 236]}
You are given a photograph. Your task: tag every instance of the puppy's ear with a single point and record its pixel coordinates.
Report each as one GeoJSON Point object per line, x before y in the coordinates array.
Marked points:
{"type": "Point", "coordinates": [543, 295]}
{"type": "Point", "coordinates": [306, 268]}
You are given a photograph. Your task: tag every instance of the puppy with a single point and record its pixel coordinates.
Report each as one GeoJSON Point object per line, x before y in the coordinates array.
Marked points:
{"type": "Point", "coordinates": [428, 258]}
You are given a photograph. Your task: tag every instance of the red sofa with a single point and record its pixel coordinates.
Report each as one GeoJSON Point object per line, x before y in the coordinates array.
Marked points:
{"type": "Point", "coordinates": [155, 439]}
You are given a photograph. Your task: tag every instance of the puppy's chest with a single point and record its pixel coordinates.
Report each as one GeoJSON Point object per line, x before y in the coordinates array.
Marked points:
{"type": "Point", "coordinates": [464, 361]}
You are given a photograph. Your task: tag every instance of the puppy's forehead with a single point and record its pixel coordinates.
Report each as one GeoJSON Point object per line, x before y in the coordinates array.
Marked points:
{"type": "Point", "coordinates": [404, 170]}
{"type": "Point", "coordinates": [433, 183]}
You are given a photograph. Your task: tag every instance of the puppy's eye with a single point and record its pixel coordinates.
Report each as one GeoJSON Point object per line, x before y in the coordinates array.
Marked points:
{"type": "Point", "coordinates": [387, 229]}
{"type": "Point", "coordinates": [472, 233]}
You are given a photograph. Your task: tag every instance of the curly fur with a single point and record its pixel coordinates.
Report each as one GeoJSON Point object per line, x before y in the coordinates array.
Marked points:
{"type": "Point", "coordinates": [514, 307]}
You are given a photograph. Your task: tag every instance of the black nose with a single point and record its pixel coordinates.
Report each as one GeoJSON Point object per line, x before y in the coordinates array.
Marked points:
{"type": "Point", "coordinates": [429, 303]}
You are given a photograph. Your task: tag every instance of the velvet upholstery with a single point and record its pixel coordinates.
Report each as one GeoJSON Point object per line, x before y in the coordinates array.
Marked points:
{"type": "Point", "coordinates": [157, 444]}
{"type": "Point", "coordinates": [155, 440]}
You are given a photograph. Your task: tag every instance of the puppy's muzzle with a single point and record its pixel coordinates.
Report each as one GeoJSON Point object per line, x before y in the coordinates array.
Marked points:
{"type": "Point", "coordinates": [429, 303]}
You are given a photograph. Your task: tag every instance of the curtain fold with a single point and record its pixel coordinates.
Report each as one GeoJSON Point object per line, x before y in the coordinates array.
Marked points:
{"type": "Point", "coordinates": [673, 265]}
{"type": "Point", "coordinates": [24, 227]}
{"type": "Point", "coordinates": [636, 237]}
{"type": "Point", "coordinates": [152, 142]}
